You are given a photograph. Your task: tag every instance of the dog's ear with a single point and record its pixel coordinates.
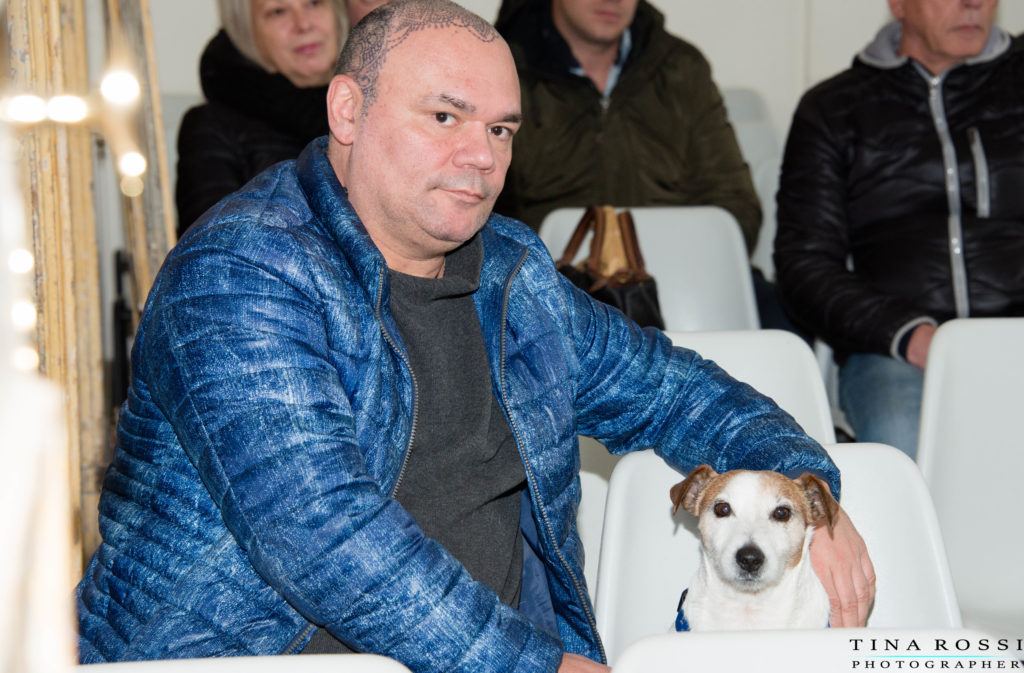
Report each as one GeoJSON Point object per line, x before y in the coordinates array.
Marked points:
{"type": "Point", "coordinates": [686, 494]}
{"type": "Point", "coordinates": [822, 505]}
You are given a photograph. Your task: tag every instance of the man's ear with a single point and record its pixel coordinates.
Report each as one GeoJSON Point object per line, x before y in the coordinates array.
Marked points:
{"type": "Point", "coordinates": [896, 7]}
{"type": "Point", "coordinates": [344, 102]}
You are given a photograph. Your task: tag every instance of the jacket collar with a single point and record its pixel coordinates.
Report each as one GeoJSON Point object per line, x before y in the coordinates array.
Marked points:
{"type": "Point", "coordinates": [883, 51]}
{"type": "Point", "coordinates": [529, 28]}
{"type": "Point", "coordinates": [230, 79]}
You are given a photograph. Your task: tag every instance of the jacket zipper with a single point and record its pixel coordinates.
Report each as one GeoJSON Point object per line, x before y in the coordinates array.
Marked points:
{"type": "Point", "coordinates": [412, 375]}
{"type": "Point", "coordinates": [531, 478]}
{"type": "Point", "coordinates": [955, 223]}
{"type": "Point", "coordinates": [981, 177]}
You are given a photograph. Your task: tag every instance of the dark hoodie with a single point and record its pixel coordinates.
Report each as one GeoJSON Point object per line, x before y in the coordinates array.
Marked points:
{"type": "Point", "coordinates": [661, 139]}
{"type": "Point", "coordinates": [252, 120]}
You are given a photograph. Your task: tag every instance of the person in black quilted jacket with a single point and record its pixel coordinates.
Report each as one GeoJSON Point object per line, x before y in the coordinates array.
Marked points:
{"type": "Point", "coordinates": [900, 203]}
{"type": "Point", "coordinates": [264, 75]}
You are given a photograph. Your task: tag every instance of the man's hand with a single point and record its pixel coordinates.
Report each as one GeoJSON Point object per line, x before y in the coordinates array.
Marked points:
{"type": "Point", "coordinates": [574, 663]}
{"type": "Point", "coordinates": [920, 342]}
{"type": "Point", "coordinates": [840, 558]}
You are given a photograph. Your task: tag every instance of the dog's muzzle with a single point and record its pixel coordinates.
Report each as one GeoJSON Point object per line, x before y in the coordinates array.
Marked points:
{"type": "Point", "coordinates": [750, 559]}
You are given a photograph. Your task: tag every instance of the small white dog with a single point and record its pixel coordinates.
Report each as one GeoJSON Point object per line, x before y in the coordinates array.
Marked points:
{"type": "Point", "coordinates": [755, 571]}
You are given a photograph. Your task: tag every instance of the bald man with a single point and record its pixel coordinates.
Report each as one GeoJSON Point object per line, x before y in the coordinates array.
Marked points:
{"type": "Point", "coordinates": [356, 395]}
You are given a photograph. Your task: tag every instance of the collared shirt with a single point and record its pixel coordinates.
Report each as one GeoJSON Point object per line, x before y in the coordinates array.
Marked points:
{"type": "Point", "coordinates": [613, 75]}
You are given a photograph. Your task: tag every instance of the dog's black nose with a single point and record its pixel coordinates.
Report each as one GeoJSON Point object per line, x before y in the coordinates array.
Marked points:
{"type": "Point", "coordinates": [750, 558]}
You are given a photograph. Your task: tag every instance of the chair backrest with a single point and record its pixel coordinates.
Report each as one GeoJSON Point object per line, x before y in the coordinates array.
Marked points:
{"type": "Point", "coordinates": [971, 452]}
{"type": "Point", "coordinates": [759, 143]}
{"type": "Point", "coordinates": [648, 556]}
{"type": "Point", "coordinates": [312, 663]}
{"type": "Point", "coordinates": [777, 363]}
{"type": "Point", "coordinates": [815, 651]}
{"type": "Point", "coordinates": [696, 255]}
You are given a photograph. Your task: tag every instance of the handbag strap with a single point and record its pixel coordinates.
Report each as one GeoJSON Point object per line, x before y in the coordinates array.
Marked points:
{"type": "Point", "coordinates": [588, 221]}
{"type": "Point", "coordinates": [634, 257]}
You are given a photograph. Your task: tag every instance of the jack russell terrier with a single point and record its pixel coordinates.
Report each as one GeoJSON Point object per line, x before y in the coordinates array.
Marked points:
{"type": "Point", "coordinates": [755, 571]}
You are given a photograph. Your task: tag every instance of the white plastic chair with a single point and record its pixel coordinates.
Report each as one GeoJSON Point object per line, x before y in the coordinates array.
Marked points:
{"type": "Point", "coordinates": [311, 663]}
{"type": "Point", "coordinates": [814, 651]}
{"type": "Point", "coordinates": [759, 143]}
{"type": "Point", "coordinates": [648, 555]}
{"type": "Point", "coordinates": [697, 256]}
{"type": "Point", "coordinates": [777, 363]}
{"type": "Point", "coordinates": [971, 451]}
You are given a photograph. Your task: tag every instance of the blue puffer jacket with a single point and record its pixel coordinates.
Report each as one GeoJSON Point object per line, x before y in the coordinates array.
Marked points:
{"type": "Point", "coordinates": [270, 413]}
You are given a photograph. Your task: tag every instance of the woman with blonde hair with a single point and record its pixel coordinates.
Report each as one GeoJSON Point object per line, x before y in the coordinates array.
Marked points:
{"type": "Point", "coordinates": [265, 76]}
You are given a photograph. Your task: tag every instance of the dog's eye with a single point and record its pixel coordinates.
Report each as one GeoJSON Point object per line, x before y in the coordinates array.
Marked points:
{"type": "Point", "coordinates": [722, 509]}
{"type": "Point", "coordinates": [782, 514]}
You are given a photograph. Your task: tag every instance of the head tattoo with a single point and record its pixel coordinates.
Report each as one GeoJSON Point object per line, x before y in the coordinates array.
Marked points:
{"type": "Point", "coordinates": [389, 25]}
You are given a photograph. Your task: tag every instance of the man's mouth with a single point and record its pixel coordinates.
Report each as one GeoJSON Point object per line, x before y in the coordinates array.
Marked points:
{"type": "Point", "coordinates": [467, 195]}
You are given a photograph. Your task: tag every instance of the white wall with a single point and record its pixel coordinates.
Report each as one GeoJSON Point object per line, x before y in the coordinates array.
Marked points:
{"type": "Point", "coordinates": [778, 47]}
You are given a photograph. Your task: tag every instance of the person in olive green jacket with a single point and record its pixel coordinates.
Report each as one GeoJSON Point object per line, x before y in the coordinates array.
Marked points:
{"type": "Point", "coordinates": [616, 110]}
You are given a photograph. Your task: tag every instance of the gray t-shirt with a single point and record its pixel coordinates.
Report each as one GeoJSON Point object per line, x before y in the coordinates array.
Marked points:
{"type": "Point", "coordinates": [463, 477]}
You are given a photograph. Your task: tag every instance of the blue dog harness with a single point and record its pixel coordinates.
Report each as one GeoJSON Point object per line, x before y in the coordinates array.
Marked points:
{"type": "Point", "coordinates": [683, 625]}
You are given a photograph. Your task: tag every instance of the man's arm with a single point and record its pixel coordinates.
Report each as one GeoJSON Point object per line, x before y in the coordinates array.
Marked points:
{"type": "Point", "coordinates": [242, 371]}
{"type": "Point", "coordinates": [639, 392]}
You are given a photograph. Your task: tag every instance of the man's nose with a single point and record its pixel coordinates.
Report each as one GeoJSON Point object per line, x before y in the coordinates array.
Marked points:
{"type": "Point", "coordinates": [476, 149]}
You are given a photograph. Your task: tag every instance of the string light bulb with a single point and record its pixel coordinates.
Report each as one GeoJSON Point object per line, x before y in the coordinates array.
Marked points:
{"type": "Point", "coordinates": [20, 261]}
{"type": "Point", "coordinates": [120, 87]}
{"type": "Point", "coordinates": [132, 164]}
{"type": "Point", "coordinates": [23, 314]}
{"type": "Point", "coordinates": [25, 109]}
{"type": "Point", "coordinates": [66, 109]}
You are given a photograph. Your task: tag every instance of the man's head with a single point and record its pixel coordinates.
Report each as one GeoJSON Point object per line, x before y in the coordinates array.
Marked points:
{"type": "Point", "coordinates": [357, 9]}
{"type": "Point", "coordinates": [422, 116]}
{"type": "Point", "coordinates": [599, 23]}
{"type": "Point", "coordinates": [941, 33]}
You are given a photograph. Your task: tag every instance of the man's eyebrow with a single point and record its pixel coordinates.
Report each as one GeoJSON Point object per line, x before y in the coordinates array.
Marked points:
{"type": "Point", "coordinates": [454, 101]}
{"type": "Point", "coordinates": [465, 106]}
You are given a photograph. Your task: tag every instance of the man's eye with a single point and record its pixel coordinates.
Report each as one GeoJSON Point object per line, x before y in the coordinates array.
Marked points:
{"type": "Point", "coordinates": [501, 132]}
{"type": "Point", "coordinates": [442, 117]}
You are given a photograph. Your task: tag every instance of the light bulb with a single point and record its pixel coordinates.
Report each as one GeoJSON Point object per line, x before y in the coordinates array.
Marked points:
{"type": "Point", "coordinates": [25, 359]}
{"type": "Point", "coordinates": [20, 260]}
{"type": "Point", "coordinates": [120, 87]}
{"type": "Point", "coordinates": [66, 109]}
{"type": "Point", "coordinates": [26, 109]}
{"type": "Point", "coordinates": [23, 313]}
{"type": "Point", "coordinates": [132, 164]}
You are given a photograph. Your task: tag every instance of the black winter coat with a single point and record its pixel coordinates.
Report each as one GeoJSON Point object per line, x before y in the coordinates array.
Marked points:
{"type": "Point", "coordinates": [252, 120]}
{"type": "Point", "coordinates": [870, 241]}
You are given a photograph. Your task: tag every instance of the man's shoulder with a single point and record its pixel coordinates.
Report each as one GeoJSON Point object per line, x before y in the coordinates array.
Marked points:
{"type": "Point", "coordinates": [267, 217]}
{"type": "Point", "coordinates": [849, 84]}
